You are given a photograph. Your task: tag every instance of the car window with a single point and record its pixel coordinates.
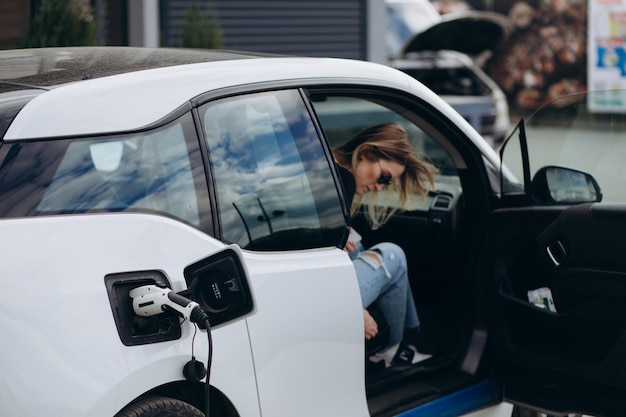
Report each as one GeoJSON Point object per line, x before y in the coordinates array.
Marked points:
{"type": "Point", "coordinates": [271, 174]}
{"type": "Point", "coordinates": [343, 116]}
{"type": "Point", "coordinates": [150, 171]}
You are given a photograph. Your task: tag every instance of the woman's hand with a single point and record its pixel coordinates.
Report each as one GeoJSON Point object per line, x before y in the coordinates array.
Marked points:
{"type": "Point", "coordinates": [350, 246]}
{"type": "Point", "coordinates": [371, 328]}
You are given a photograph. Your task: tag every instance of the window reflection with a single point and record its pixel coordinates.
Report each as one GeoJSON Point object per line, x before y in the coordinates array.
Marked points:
{"type": "Point", "coordinates": [150, 171]}
{"type": "Point", "coordinates": [273, 181]}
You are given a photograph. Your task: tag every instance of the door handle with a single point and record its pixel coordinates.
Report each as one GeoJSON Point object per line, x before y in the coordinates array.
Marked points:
{"type": "Point", "coordinates": [556, 252]}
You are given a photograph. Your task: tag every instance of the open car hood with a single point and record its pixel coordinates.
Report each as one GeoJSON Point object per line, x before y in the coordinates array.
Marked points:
{"type": "Point", "coordinates": [469, 32]}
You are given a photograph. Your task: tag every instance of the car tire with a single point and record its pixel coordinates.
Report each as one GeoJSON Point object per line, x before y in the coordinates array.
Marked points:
{"type": "Point", "coordinates": [160, 407]}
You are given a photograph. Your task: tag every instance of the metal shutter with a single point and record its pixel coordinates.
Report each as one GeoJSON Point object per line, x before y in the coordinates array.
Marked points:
{"type": "Point", "coordinates": [334, 28]}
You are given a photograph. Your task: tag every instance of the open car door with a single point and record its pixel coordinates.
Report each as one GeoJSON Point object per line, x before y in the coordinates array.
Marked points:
{"type": "Point", "coordinates": [557, 290]}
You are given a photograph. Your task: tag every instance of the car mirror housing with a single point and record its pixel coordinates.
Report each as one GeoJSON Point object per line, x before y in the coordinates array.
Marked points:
{"type": "Point", "coordinates": [559, 185]}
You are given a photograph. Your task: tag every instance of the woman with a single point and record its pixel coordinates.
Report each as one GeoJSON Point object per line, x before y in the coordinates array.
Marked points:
{"type": "Point", "coordinates": [378, 157]}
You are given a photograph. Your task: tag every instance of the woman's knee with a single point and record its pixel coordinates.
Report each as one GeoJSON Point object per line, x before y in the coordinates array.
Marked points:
{"type": "Point", "coordinates": [391, 251]}
{"type": "Point", "coordinates": [393, 256]}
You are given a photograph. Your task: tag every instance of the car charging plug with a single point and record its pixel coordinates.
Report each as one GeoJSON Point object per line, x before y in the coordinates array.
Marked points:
{"type": "Point", "coordinates": [150, 300]}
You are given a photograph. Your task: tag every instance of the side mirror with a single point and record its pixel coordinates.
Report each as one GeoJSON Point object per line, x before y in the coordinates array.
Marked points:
{"type": "Point", "coordinates": [558, 185]}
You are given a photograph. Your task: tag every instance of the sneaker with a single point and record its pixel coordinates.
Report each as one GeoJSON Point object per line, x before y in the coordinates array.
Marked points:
{"type": "Point", "coordinates": [408, 355]}
{"type": "Point", "coordinates": [385, 355]}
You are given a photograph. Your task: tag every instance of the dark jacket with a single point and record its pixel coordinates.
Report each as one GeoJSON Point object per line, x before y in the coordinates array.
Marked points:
{"type": "Point", "coordinates": [349, 184]}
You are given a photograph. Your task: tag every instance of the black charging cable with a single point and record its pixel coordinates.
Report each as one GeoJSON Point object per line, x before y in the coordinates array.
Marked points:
{"type": "Point", "coordinates": [207, 386]}
{"type": "Point", "coordinates": [194, 370]}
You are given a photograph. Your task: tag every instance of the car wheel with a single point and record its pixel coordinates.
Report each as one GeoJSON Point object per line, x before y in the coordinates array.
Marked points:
{"type": "Point", "coordinates": [160, 407]}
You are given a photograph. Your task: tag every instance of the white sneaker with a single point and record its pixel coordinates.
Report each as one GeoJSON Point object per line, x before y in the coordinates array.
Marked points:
{"type": "Point", "coordinates": [408, 355]}
{"type": "Point", "coordinates": [385, 355]}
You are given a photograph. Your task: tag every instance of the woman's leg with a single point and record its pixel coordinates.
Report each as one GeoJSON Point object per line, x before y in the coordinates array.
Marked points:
{"type": "Point", "coordinates": [382, 275]}
{"type": "Point", "coordinates": [412, 319]}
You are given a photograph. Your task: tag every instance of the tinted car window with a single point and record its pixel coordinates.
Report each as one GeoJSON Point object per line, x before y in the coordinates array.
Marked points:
{"type": "Point", "coordinates": [155, 171]}
{"type": "Point", "coordinates": [272, 177]}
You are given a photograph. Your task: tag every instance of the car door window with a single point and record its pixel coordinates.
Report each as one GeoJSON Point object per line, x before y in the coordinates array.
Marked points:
{"type": "Point", "coordinates": [271, 174]}
{"type": "Point", "coordinates": [570, 132]}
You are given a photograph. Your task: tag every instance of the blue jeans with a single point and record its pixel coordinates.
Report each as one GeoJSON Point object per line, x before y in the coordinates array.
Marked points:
{"type": "Point", "coordinates": [386, 284]}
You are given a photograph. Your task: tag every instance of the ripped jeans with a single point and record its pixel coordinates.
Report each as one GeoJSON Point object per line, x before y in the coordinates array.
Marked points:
{"type": "Point", "coordinates": [386, 284]}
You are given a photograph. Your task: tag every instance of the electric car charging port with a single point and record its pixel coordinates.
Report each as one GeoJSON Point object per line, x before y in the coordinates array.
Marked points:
{"type": "Point", "coordinates": [133, 329]}
{"type": "Point", "coordinates": [220, 286]}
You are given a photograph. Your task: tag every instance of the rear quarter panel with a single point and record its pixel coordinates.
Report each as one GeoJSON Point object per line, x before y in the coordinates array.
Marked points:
{"type": "Point", "coordinates": [62, 355]}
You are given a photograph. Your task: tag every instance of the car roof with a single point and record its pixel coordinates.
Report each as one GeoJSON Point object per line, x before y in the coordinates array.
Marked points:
{"type": "Point", "coordinates": [95, 97]}
{"type": "Point", "coordinates": [49, 67]}
{"type": "Point", "coordinates": [128, 101]}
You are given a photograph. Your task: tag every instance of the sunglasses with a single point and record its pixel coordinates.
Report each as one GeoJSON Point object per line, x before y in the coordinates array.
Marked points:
{"type": "Point", "coordinates": [384, 179]}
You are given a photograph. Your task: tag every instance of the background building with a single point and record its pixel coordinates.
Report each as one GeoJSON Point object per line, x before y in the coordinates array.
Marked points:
{"type": "Point", "coordinates": [545, 56]}
{"type": "Point", "coordinates": [336, 28]}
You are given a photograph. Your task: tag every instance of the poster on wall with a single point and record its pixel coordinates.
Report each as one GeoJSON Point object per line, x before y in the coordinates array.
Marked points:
{"type": "Point", "coordinates": [606, 54]}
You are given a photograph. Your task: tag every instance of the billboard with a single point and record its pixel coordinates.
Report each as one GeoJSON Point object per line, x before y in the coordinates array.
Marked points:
{"type": "Point", "coordinates": [606, 54]}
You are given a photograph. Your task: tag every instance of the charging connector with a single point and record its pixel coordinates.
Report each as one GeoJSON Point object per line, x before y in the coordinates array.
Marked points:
{"type": "Point", "coordinates": [150, 300]}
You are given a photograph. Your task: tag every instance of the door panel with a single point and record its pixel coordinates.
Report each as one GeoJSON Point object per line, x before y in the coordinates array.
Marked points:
{"type": "Point", "coordinates": [308, 330]}
{"type": "Point", "coordinates": [578, 254]}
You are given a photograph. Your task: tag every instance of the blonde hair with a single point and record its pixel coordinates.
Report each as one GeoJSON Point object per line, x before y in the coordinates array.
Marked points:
{"type": "Point", "coordinates": [391, 142]}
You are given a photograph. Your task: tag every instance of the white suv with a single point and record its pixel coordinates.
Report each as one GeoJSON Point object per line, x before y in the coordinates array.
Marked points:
{"type": "Point", "coordinates": [162, 208]}
{"type": "Point", "coordinates": [446, 53]}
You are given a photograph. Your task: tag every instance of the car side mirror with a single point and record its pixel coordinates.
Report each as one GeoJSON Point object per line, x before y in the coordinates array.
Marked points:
{"type": "Point", "coordinates": [559, 185]}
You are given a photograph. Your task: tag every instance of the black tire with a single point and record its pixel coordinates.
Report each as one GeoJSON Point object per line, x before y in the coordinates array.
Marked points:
{"type": "Point", "coordinates": [160, 407]}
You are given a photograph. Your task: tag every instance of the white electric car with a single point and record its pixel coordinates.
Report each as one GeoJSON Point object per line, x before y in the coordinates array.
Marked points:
{"type": "Point", "coordinates": [171, 214]}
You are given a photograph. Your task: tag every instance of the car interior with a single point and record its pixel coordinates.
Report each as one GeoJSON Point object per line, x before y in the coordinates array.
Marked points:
{"type": "Point", "coordinates": [432, 234]}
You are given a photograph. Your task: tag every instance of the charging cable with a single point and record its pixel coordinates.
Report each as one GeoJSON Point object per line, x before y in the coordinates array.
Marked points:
{"type": "Point", "coordinates": [150, 300]}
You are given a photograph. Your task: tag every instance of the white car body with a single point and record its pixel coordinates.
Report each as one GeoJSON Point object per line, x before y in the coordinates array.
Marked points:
{"type": "Point", "coordinates": [121, 96]}
{"type": "Point", "coordinates": [76, 385]}
{"type": "Point", "coordinates": [256, 360]}
{"type": "Point", "coordinates": [243, 211]}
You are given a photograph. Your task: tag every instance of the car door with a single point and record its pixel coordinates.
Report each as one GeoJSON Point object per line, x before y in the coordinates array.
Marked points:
{"type": "Point", "coordinates": [557, 281]}
{"type": "Point", "coordinates": [275, 197]}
